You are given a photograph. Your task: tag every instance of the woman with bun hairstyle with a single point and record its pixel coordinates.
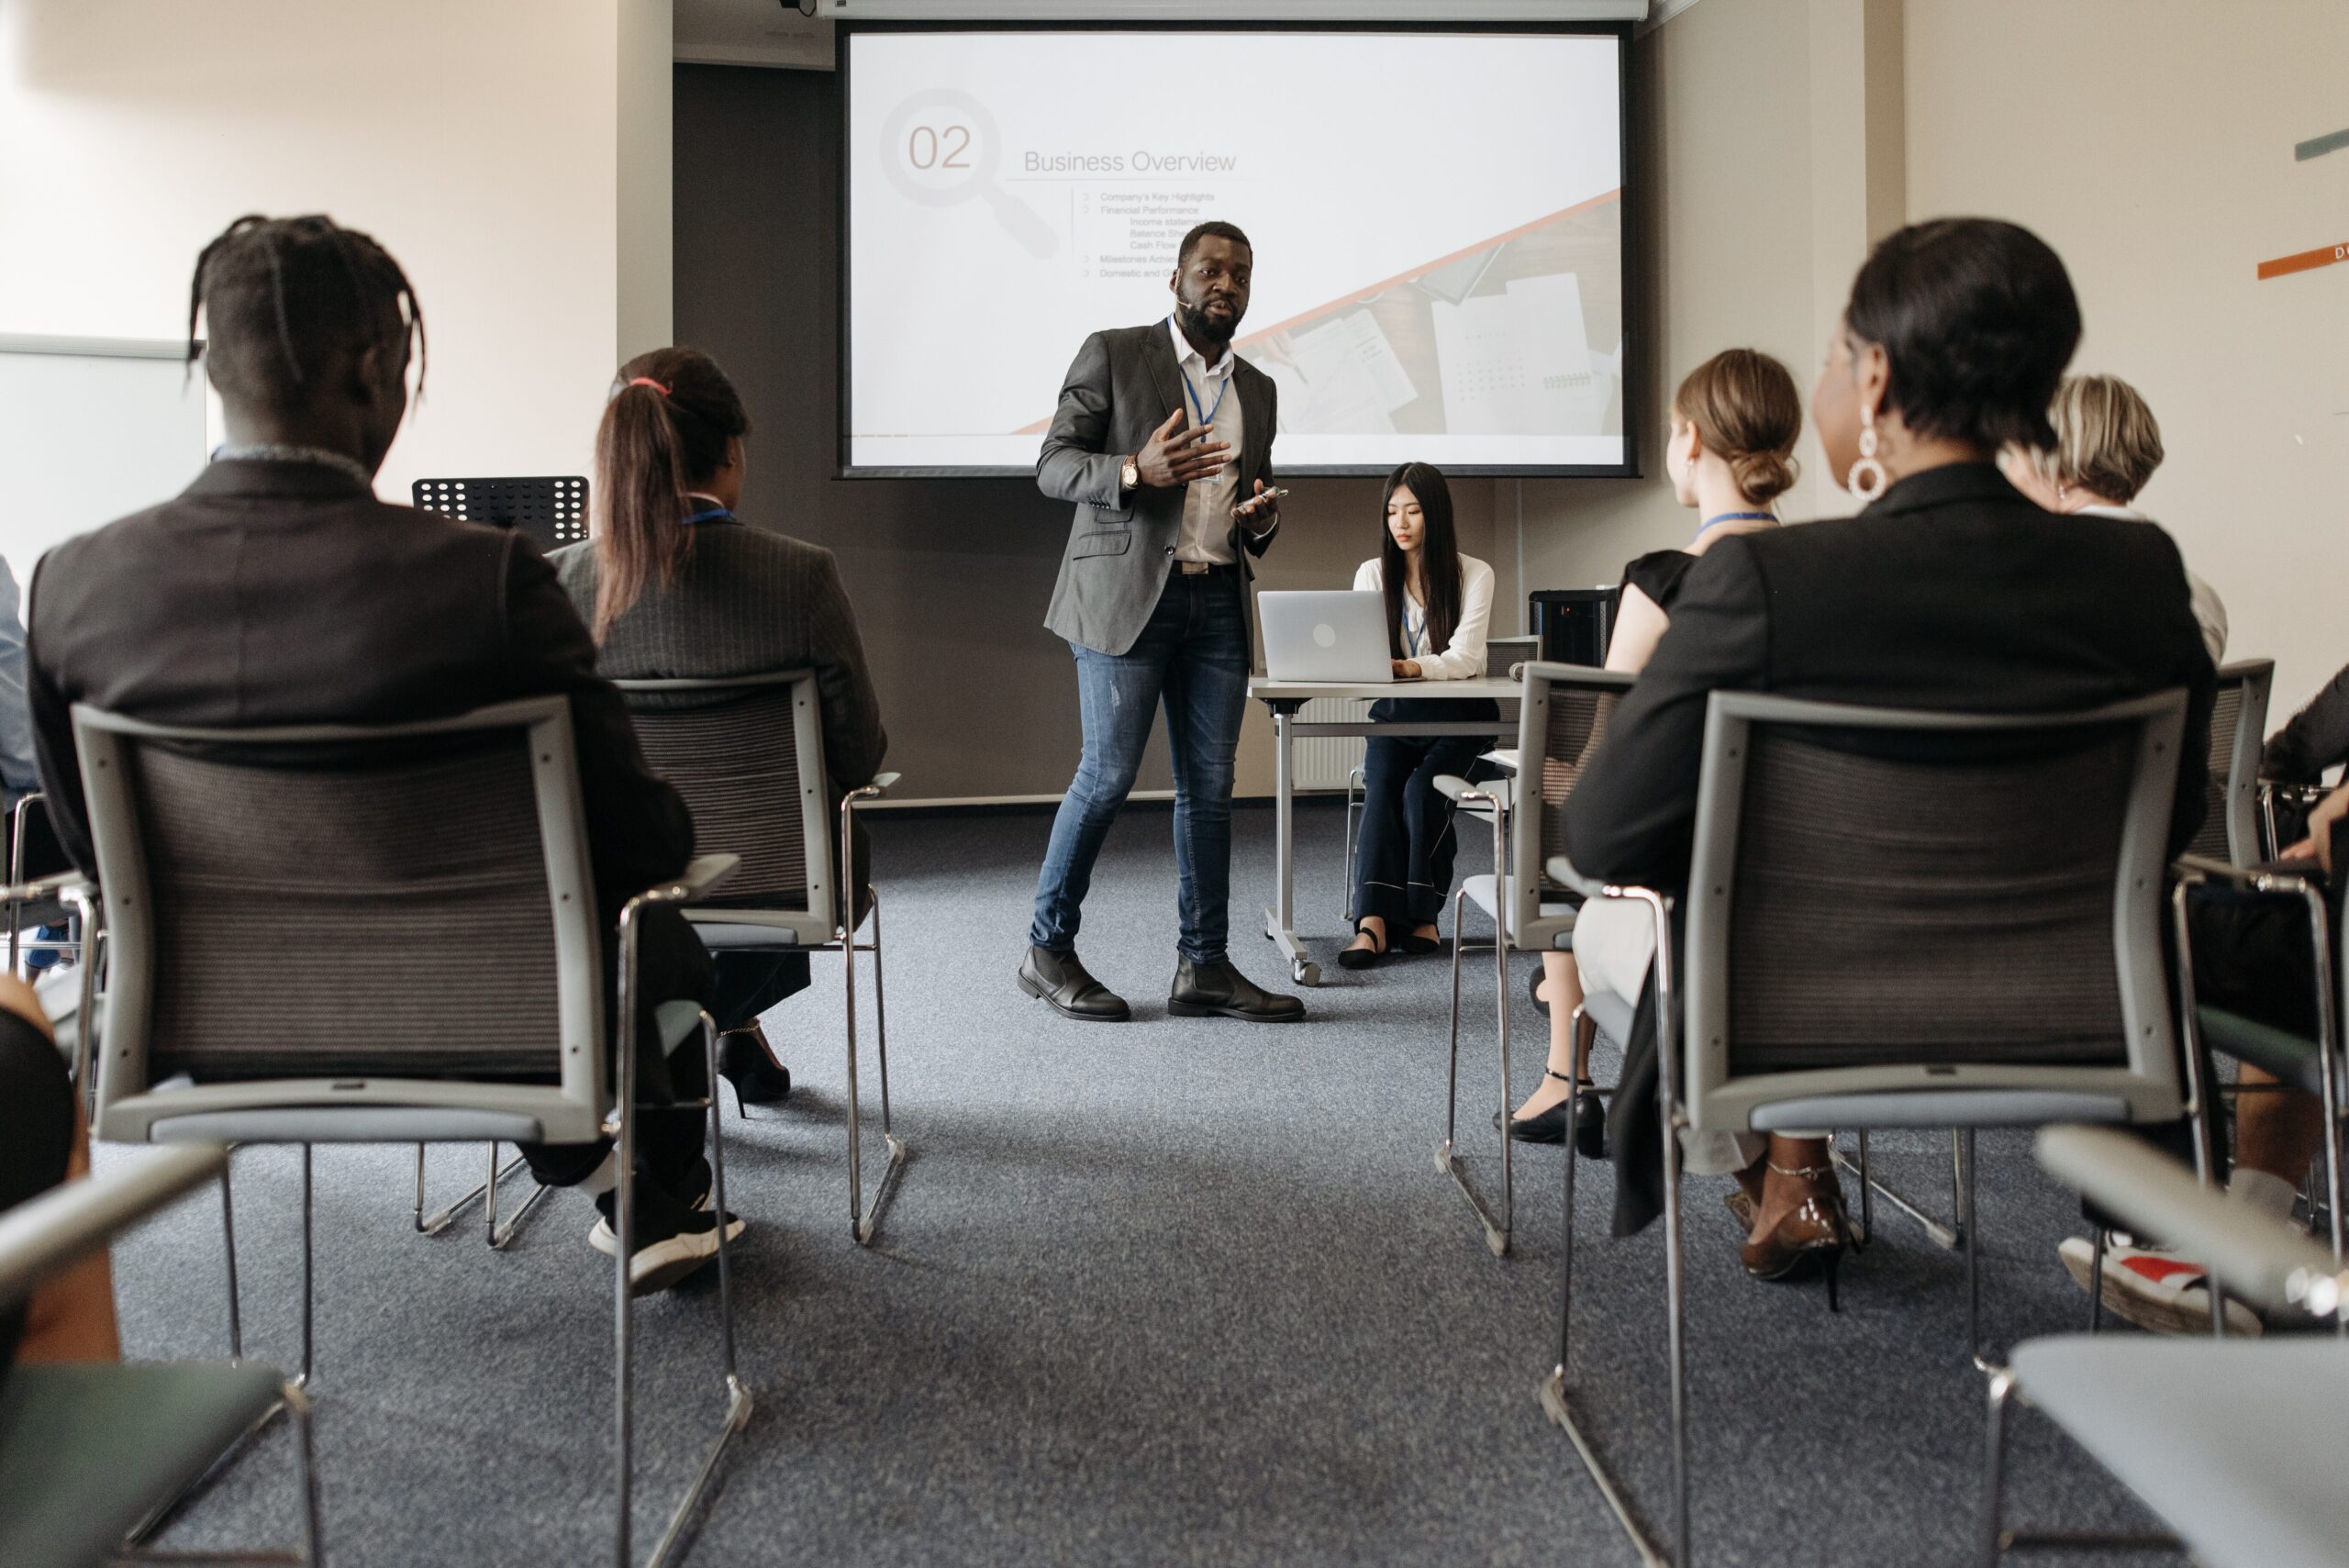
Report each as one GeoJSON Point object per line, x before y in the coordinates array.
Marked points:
{"type": "Point", "coordinates": [1730, 455]}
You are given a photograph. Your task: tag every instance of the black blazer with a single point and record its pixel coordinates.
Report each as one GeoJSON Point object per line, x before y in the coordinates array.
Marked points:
{"type": "Point", "coordinates": [286, 593]}
{"type": "Point", "coordinates": [1123, 385]}
{"type": "Point", "coordinates": [746, 601]}
{"type": "Point", "coordinates": [1952, 592]}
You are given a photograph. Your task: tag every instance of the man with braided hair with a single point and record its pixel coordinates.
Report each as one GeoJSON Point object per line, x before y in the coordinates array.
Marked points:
{"type": "Point", "coordinates": [278, 590]}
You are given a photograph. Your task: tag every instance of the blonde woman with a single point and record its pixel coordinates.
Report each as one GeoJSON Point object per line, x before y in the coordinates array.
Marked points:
{"type": "Point", "coordinates": [2107, 447]}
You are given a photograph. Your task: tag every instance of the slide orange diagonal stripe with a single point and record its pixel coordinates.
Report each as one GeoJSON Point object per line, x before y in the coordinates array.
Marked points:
{"type": "Point", "coordinates": [2323, 256]}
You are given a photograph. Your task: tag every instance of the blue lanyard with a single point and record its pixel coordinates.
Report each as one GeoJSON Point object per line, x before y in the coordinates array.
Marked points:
{"type": "Point", "coordinates": [709, 514]}
{"type": "Point", "coordinates": [1735, 517]}
{"type": "Point", "coordinates": [1206, 415]}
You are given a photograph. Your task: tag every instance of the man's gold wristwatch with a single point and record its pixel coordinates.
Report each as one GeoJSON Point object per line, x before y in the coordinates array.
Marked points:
{"type": "Point", "coordinates": [1129, 476]}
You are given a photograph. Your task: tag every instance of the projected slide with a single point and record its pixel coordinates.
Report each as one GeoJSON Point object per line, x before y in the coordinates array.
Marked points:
{"type": "Point", "coordinates": [1436, 220]}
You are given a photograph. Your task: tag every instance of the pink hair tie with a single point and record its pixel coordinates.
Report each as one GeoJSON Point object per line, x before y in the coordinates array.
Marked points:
{"type": "Point", "coordinates": [648, 381]}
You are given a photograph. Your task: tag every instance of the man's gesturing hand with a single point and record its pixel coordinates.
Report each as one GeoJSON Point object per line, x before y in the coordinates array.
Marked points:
{"type": "Point", "coordinates": [1176, 457]}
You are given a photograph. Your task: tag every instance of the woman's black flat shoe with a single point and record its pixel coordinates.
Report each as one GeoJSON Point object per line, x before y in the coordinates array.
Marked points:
{"type": "Point", "coordinates": [1361, 958]}
{"type": "Point", "coordinates": [1542, 1126]}
{"type": "Point", "coordinates": [1550, 1126]}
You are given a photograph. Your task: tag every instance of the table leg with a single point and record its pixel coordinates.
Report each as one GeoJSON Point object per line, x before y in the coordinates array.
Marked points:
{"type": "Point", "coordinates": [1280, 921]}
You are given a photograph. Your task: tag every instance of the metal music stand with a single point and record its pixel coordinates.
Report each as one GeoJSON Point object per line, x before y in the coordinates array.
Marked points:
{"type": "Point", "coordinates": [552, 511]}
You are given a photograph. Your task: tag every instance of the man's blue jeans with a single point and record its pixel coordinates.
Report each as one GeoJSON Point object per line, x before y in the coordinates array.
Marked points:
{"type": "Point", "coordinates": [1193, 658]}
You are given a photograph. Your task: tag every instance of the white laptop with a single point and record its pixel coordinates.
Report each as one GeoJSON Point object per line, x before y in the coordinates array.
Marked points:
{"type": "Point", "coordinates": [1335, 639]}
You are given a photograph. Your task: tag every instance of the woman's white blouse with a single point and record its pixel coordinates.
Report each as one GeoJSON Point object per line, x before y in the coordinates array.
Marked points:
{"type": "Point", "coordinates": [1465, 658]}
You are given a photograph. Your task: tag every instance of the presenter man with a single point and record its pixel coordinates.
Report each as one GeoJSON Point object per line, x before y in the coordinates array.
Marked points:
{"type": "Point", "coordinates": [1163, 441]}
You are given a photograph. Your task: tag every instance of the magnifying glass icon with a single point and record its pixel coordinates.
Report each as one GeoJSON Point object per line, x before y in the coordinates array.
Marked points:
{"type": "Point", "coordinates": [943, 147]}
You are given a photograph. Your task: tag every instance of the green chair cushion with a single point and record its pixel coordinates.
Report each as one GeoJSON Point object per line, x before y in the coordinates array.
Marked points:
{"type": "Point", "coordinates": [89, 1450]}
{"type": "Point", "coordinates": [2278, 1051]}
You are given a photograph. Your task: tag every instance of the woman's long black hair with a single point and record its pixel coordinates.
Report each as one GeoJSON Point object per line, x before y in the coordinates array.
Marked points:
{"type": "Point", "coordinates": [1439, 558]}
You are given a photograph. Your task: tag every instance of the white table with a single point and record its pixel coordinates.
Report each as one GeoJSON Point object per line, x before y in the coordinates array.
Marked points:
{"type": "Point", "coordinates": [1284, 698]}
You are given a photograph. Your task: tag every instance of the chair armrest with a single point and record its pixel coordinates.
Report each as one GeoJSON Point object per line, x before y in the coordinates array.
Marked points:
{"type": "Point", "coordinates": [2251, 879]}
{"type": "Point", "coordinates": [882, 783]}
{"type": "Point", "coordinates": [1562, 871]}
{"type": "Point", "coordinates": [1500, 792]}
{"type": "Point", "coordinates": [701, 877]}
{"type": "Point", "coordinates": [50, 1232]}
{"type": "Point", "coordinates": [41, 890]}
{"type": "Point", "coordinates": [2251, 1254]}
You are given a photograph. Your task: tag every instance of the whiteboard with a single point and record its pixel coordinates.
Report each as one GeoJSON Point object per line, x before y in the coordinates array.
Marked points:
{"type": "Point", "coordinates": [91, 430]}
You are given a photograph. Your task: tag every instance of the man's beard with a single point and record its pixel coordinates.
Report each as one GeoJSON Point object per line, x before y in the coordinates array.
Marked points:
{"type": "Point", "coordinates": [1203, 328]}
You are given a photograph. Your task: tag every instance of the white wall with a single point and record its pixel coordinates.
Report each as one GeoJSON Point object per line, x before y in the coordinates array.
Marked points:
{"type": "Point", "coordinates": [513, 155]}
{"type": "Point", "coordinates": [2150, 141]}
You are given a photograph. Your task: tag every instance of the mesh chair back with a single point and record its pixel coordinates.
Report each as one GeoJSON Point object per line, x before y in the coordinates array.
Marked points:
{"type": "Point", "coordinates": [1561, 721]}
{"type": "Point", "coordinates": [1885, 901]}
{"type": "Point", "coordinates": [2229, 828]}
{"type": "Point", "coordinates": [403, 902]}
{"type": "Point", "coordinates": [747, 753]}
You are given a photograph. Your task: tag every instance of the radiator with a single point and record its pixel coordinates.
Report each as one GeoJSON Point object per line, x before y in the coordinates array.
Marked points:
{"type": "Point", "coordinates": [1324, 762]}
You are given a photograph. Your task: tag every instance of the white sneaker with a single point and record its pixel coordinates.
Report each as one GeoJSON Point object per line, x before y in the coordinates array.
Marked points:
{"type": "Point", "coordinates": [680, 1242]}
{"type": "Point", "coordinates": [2154, 1289]}
{"type": "Point", "coordinates": [659, 1264]}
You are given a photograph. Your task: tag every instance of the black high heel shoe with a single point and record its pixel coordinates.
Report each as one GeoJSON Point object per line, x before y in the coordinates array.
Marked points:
{"type": "Point", "coordinates": [1550, 1126]}
{"type": "Point", "coordinates": [746, 1061]}
{"type": "Point", "coordinates": [1811, 1237]}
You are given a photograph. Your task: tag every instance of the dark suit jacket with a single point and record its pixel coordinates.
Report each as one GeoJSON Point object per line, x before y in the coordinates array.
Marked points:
{"type": "Point", "coordinates": [1124, 385]}
{"type": "Point", "coordinates": [1950, 592]}
{"type": "Point", "coordinates": [285, 593]}
{"type": "Point", "coordinates": [747, 601]}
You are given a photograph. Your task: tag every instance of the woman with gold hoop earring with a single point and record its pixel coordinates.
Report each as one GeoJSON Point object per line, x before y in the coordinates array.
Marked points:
{"type": "Point", "coordinates": [1949, 593]}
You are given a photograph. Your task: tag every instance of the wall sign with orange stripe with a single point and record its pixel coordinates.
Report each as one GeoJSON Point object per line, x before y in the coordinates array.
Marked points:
{"type": "Point", "coordinates": [2322, 256]}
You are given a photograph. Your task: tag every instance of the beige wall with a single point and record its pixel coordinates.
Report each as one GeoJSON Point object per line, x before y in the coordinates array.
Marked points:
{"type": "Point", "coordinates": [2150, 141]}
{"type": "Point", "coordinates": [1768, 158]}
{"type": "Point", "coordinates": [513, 156]}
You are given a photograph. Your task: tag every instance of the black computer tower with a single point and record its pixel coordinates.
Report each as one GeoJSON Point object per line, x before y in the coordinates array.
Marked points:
{"type": "Point", "coordinates": [1573, 624]}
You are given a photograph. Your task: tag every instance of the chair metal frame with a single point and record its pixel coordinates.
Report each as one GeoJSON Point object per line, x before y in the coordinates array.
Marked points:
{"type": "Point", "coordinates": [2146, 1188]}
{"type": "Point", "coordinates": [1694, 1048]}
{"type": "Point", "coordinates": [828, 924]}
{"type": "Point", "coordinates": [2195, 871]}
{"type": "Point", "coordinates": [19, 816]}
{"type": "Point", "coordinates": [582, 1106]}
{"type": "Point", "coordinates": [1520, 923]}
{"type": "Point", "coordinates": [50, 1232]}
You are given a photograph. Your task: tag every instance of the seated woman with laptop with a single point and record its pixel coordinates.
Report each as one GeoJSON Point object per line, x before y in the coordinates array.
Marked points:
{"type": "Point", "coordinates": [1439, 603]}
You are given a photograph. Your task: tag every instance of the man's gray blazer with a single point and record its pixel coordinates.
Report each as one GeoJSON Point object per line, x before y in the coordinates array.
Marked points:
{"type": "Point", "coordinates": [1124, 385]}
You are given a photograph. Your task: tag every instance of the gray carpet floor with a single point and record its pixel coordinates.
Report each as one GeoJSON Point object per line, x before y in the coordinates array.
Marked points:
{"type": "Point", "coordinates": [1177, 1292]}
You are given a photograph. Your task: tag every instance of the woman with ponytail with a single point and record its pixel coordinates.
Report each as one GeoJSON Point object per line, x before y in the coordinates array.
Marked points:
{"type": "Point", "coordinates": [675, 587]}
{"type": "Point", "coordinates": [1734, 424]}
